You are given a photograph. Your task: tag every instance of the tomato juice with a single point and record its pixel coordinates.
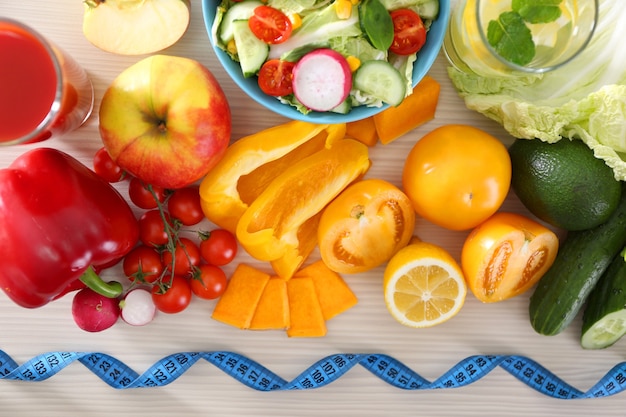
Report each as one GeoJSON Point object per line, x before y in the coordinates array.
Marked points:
{"type": "Point", "coordinates": [43, 92]}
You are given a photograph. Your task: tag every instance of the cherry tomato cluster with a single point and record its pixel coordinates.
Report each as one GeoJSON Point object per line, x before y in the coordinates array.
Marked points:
{"type": "Point", "coordinates": [176, 267]}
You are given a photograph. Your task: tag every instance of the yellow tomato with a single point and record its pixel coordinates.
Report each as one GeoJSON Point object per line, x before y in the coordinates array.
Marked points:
{"type": "Point", "coordinates": [506, 255]}
{"type": "Point", "coordinates": [457, 176]}
{"type": "Point", "coordinates": [365, 226]}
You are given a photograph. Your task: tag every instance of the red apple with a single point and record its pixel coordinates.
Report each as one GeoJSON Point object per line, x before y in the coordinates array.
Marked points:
{"type": "Point", "coordinates": [165, 120]}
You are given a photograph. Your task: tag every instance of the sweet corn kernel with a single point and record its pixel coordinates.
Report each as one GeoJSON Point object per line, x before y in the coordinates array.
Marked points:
{"type": "Point", "coordinates": [296, 21]}
{"type": "Point", "coordinates": [343, 8]}
{"type": "Point", "coordinates": [231, 46]}
{"type": "Point", "coordinates": [353, 62]}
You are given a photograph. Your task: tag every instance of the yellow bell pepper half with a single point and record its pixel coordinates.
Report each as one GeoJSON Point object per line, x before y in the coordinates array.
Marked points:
{"type": "Point", "coordinates": [252, 162]}
{"type": "Point", "coordinates": [288, 209]}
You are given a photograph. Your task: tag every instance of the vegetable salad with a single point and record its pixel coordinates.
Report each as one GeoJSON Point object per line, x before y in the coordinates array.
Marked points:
{"type": "Point", "coordinates": [279, 33]}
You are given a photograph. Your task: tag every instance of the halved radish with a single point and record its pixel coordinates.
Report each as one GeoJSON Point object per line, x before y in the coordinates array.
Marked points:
{"type": "Point", "coordinates": [322, 79]}
{"type": "Point", "coordinates": [137, 307]}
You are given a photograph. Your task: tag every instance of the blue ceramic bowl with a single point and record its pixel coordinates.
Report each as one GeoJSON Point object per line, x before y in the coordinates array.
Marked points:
{"type": "Point", "coordinates": [426, 57]}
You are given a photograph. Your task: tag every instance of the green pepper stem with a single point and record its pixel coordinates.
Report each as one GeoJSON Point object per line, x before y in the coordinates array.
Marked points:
{"type": "Point", "coordinates": [91, 279]}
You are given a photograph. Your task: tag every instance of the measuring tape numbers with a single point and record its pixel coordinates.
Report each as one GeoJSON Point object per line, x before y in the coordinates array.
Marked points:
{"type": "Point", "coordinates": [325, 371]}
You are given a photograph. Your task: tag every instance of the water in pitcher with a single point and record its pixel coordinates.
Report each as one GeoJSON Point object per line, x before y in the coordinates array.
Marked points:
{"type": "Point", "coordinates": [555, 43]}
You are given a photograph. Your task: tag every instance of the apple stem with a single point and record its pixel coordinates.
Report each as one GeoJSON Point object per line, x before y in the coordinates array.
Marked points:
{"type": "Point", "coordinates": [94, 3]}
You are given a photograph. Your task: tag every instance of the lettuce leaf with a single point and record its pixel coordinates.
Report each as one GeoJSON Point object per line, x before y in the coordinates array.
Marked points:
{"type": "Point", "coordinates": [584, 99]}
{"type": "Point", "coordinates": [319, 27]}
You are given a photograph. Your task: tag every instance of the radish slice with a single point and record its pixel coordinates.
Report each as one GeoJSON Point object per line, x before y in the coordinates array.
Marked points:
{"type": "Point", "coordinates": [138, 308]}
{"type": "Point", "coordinates": [322, 79]}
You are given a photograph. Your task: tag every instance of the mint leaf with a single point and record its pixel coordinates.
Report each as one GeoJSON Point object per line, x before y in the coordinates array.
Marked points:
{"type": "Point", "coordinates": [511, 38]}
{"type": "Point", "coordinates": [538, 11]}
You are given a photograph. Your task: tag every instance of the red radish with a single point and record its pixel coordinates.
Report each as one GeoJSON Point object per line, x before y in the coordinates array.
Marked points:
{"type": "Point", "coordinates": [93, 312]}
{"type": "Point", "coordinates": [137, 307]}
{"type": "Point", "coordinates": [322, 79]}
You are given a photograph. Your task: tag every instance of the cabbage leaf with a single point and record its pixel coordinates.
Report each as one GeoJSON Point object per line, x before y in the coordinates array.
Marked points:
{"type": "Point", "coordinates": [584, 99]}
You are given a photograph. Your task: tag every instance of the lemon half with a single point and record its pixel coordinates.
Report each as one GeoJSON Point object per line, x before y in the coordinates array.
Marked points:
{"type": "Point", "coordinates": [423, 285]}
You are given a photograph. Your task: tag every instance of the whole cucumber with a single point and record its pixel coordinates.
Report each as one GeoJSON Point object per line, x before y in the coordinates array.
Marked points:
{"type": "Point", "coordinates": [582, 259]}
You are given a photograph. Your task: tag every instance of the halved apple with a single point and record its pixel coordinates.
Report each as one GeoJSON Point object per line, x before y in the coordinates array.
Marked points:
{"type": "Point", "coordinates": [135, 27]}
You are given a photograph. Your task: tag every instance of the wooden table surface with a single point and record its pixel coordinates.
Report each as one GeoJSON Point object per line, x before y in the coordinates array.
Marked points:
{"type": "Point", "coordinates": [501, 328]}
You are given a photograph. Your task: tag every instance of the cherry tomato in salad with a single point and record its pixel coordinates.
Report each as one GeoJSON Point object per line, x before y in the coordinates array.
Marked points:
{"type": "Point", "coordinates": [106, 168]}
{"type": "Point", "coordinates": [210, 283]}
{"type": "Point", "coordinates": [174, 298]}
{"type": "Point", "coordinates": [141, 195]}
{"type": "Point", "coordinates": [152, 231]}
{"type": "Point", "coordinates": [270, 25]}
{"type": "Point", "coordinates": [276, 77]}
{"type": "Point", "coordinates": [409, 33]}
{"type": "Point", "coordinates": [184, 205]}
{"type": "Point", "coordinates": [186, 256]}
{"type": "Point", "coordinates": [143, 264]}
{"type": "Point", "coordinates": [219, 247]}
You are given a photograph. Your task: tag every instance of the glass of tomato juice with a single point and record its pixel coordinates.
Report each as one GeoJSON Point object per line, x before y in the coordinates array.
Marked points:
{"type": "Point", "coordinates": [44, 92]}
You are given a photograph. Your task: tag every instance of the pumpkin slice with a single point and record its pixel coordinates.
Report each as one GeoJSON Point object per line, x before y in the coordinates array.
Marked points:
{"type": "Point", "coordinates": [272, 311]}
{"type": "Point", "coordinates": [333, 294]}
{"type": "Point", "coordinates": [363, 130]}
{"type": "Point", "coordinates": [415, 110]}
{"type": "Point", "coordinates": [305, 313]}
{"type": "Point", "coordinates": [238, 303]}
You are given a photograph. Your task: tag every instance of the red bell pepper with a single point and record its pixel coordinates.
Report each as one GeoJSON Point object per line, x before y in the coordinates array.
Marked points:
{"type": "Point", "coordinates": [58, 221]}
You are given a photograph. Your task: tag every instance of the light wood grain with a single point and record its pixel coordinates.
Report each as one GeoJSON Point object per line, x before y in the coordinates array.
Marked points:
{"type": "Point", "coordinates": [204, 390]}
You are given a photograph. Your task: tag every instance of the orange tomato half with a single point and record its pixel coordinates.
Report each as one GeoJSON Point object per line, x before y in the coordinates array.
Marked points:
{"type": "Point", "coordinates": [506, 255]}
{"type": "Point", "coordinates": [365, 226]}
{"type": "Point", "coordinates": [457, 176]}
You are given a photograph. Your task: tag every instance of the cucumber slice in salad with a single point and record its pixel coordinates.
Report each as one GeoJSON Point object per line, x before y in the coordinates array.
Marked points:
{"type": "Point", "coordinates": [343, 108]}
{"type": "Point", "coordinates": [381, 80]}
{"type": "Point", "coordinates": [427, 9]}
{"type": "Point", "coordinates": [238, 11]}
{"type": "Point", "coordinates": [251, 51]}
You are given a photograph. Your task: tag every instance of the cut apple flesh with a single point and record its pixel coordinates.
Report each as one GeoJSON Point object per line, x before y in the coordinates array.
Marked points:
{"type": "Point", "coordinates": [135, 27]}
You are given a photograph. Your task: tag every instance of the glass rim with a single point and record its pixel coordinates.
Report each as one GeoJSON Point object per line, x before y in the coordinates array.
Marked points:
{"type": "Point", "coordinates": [55, 106]}
{"type": "Point", "coordinates": [536, 70]}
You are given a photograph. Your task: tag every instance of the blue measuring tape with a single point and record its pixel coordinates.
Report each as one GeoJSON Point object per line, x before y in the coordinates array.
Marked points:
{"type": "Point", "coordinates": [325, 371]}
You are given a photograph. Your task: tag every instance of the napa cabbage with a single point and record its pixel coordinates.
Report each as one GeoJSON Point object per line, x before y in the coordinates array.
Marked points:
{"type": "Point", "coordinates": [584, 99]}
